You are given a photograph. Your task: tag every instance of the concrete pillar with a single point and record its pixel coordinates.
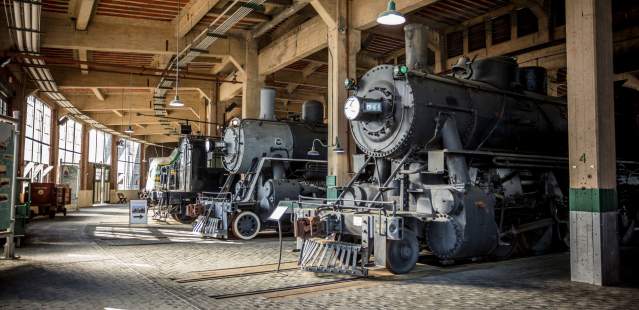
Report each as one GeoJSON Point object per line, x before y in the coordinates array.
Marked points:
{"type": "Point", "coordinates": [343, 45]}
{"type": "Point", "coordinates": [594, 249]}
{"type": "Point", "coordinates": [252, 81]}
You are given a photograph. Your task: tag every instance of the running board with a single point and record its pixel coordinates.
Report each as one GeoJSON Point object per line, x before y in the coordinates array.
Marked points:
{"type": "Point", "coordinates": [328, 256]}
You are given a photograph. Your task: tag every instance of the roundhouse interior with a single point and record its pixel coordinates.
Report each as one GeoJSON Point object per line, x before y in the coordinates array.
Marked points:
{"type": "Point", "coordinates": [209, 114]}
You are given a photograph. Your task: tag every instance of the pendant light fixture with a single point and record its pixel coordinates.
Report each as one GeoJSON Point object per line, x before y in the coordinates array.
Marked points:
{"type": "Point", "coordinates": [129, 130]}
{"type": "Point", "coordinates": [391, 16]}
{"type": "Point", "coordinates": [177, 102]}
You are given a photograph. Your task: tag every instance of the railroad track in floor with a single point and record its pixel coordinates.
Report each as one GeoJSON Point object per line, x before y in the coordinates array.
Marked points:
{"type": "Point", "coordinates": [235, 272]}
{"type": "Point", "coordinates": [375, 277]}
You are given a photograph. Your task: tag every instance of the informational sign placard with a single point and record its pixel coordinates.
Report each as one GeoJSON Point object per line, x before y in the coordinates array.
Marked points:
{"type": "Point", "coordinates": [6, 170]}
{"type": "Point", "coordinates": [137, 212]}
{"type": "Point", "coordinates": [278, 213]}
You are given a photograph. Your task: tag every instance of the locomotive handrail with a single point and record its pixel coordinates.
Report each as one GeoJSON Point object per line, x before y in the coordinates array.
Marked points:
{"type": "Point", "coordinates": [218, 195]}
{"type": "Point", "coordinates": [258, 171]}
{"type": "Point", "coordinates": [331, 206]}
{"type": "Point", "coordinates": [525, 156]}
{"type": "Point", "coordinates": [300, 197]}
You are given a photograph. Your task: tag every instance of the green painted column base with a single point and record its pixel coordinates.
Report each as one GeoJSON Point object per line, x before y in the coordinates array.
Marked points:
{"type": "Point", "coordinates": [597, 200]}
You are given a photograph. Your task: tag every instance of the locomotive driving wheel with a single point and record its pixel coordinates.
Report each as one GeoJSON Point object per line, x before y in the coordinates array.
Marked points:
{"type": "Point", "coordinates": [402, 255]}
{"type": "Point", "coordinates": [245, 225]}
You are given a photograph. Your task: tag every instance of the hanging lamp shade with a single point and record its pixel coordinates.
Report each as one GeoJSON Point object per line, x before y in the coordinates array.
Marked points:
{"type": "Point", "coordinates": [129, 130]}
{"type": "Point", "coordinates": [391, 16]}
{"type": "Point", "coordinates": [176, 102]}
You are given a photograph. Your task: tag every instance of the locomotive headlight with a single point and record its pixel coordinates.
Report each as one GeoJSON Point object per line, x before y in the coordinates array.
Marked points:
{"type": "Point", "coordinates": [357, 108]}
{"type": "Point", "coordinates": [352, 108]}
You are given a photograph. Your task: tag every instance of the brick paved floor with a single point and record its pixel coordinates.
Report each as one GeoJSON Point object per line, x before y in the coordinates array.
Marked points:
{"type": "Point", "coordinates": [92, 260]}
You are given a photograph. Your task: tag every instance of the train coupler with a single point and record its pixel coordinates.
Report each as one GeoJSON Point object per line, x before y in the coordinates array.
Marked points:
{"type": "Point", "coordinates": [329, 256]}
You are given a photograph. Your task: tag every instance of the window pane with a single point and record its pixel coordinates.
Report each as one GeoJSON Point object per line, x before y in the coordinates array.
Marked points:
{"type": "Point", "coordinates": [107, 148]}
{"type": "Point", "coordinates": [28, 149]}
{"type": "Point", "coordinates": [78, 138]}
{"type": "Point", "coordinates": [45, 154]}
{"type": "Point", "coordinates": [92, 144]}
{"type": "Point", "coordinates": [36, 152]}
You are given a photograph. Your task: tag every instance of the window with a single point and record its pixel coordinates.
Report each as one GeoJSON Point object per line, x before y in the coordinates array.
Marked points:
{"type": "Point", "coordinates": [4, 110]}
{"type": "Point", "coordinates": [455, 44]}
{"type": "Point", "coordinates": [128, 165]}
{"type": "Point", "coordinates": [99, 147]}
{"type": "Point", "coordinates": [501, 29]}
{"type": "Point", "coordinates": [70, 142]}
{"type": "Point", "coordinates": [37, 132]}
{"type": "Point", "coordinates": [526, 22]}
{"type": "Point", "coordinates": [476, 37]}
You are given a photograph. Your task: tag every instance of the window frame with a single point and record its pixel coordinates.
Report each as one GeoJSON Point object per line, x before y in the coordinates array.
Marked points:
{"type": "Point", "coordinates": [75, 143]}
{"type": "Point", "coordinates": [38, 125]}
{"type": "Point", "coordinates": [99, 139]}
{"type": "Point", "coordinates": [129, 165]}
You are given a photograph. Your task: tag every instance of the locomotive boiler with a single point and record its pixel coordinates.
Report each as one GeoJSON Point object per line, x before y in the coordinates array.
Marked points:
{"type": "Point", "coordinates": [269, 161]}
{"type": "Point", "coordinates": [465, 166]}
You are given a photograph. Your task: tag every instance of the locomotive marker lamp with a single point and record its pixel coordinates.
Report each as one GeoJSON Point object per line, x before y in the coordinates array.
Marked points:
{"type": "Point", "coordinates": [400, 71]}
{"type": "Point", "coordinates": [391, 16]}
{"type": "Point", "coordinates": [313, 151]}
{"type": "Point", "coordinates": [350, 84]}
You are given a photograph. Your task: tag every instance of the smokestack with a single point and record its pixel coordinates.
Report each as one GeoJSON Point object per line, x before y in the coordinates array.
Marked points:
{"type": "Point", "coordinates": [267, 103]}
{"type": "Point", "coordinates": [312, 112]}
{"type": "Point", "coordinates": [416, 37]}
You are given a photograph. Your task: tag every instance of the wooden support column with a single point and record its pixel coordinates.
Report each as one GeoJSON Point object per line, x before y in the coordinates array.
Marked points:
{"type": "Point", "coordinates": [343, 45]}
{"type": "Point", "coordinates": [594, 249]}
{"type": "Point", "coordinates": [252, 81]}
{"type": "Point", "coordinates": [441, 55]}
{"type": "Point", "coordinates": [84, 174]}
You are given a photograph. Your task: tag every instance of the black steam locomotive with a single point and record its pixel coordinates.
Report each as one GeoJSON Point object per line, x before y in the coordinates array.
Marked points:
{"type": "Point", "coordinates": [268, 160]}
{"type": "Point", "coordinates": [193, 167]}
{"type": "Point", "coordinates": [465, 166]}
